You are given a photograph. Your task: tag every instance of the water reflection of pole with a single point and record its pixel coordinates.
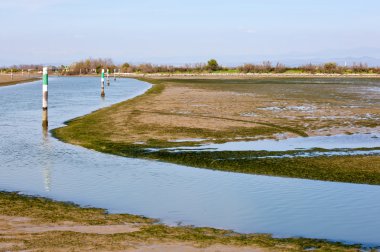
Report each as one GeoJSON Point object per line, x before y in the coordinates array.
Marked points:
{"type": "Point", "coordinates": [108, 77]}
{"type": "Point", "coordinates": [45, 134]}
{"type": "Point", "coordinates": [46, 165]}
{"type": "Point", "coordinates": [47, 178]}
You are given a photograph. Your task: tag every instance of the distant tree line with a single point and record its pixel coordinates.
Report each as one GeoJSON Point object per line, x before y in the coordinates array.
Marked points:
{"type": "Point", "coordinates": [327, 68]}
{"type": "Point", "coordinates": [265, 67]}
{"type": "Point", "coordinates": [19, 68]}
{"type": "Point", "coordinates": [94, 66]}
{"type": "Point", "coordinates": [91, 66]}
{"type": "Point", "coordinates": [26, 67]}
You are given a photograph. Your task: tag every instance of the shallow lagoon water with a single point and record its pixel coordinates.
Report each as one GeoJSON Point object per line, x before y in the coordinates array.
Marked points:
{"type": "Point", "coordinates": [41, 165]}
{"type": "Point", "coordinates": [297, 143]}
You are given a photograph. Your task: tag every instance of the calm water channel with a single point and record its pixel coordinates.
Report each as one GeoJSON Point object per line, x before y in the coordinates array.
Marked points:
{"type": "Point", "coordinates": [41, 165]}
{"type": "Point", "coordinates": [297, 143]}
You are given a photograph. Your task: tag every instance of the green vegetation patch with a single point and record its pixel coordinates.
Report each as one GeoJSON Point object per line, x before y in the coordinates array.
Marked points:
{"type": "Point", "coordinates": [351, 169]}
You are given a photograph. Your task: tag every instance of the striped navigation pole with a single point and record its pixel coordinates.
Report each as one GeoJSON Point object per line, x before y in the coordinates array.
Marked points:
{"type": "Point", "coordinates": [45, 82]}
{"type": "Point", "coordinates": [114, 74]}
{"type": "Point", "coordinates": [108, 77]}
{"type": "Point", "coordinates": [102, 84]}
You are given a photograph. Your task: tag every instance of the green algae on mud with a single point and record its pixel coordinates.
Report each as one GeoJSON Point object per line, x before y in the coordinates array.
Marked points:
{"type": "Point", "coordinates": [350, 169]}
{"type": "Point", "coordinates": [44, 211]}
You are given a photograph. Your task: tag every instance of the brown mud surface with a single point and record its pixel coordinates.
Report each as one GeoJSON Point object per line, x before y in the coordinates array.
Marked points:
{"type": "Point", "coordinates": [226, 110]}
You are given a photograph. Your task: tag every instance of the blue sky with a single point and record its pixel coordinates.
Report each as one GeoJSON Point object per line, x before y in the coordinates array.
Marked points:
{"type": "Point", "coordinates": [187, 31]}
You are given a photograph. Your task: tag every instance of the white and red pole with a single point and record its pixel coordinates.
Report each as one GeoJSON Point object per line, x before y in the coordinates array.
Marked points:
{"type": "Point", "coordinates": [45, 82]}
{"type": "Point", "coordinates": [102, 84]}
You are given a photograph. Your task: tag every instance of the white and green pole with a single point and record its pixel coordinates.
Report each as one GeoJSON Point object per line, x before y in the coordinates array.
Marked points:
{"type": "Point", "coordinates": [11, 74]}
{"type": "Point", "coordinates": [102, 84]}
{"type": "Point", "coordinates": [108, 77]}
{"type": "Point", "coordinates": [114, 74]}
{"type": "Point", "coordinates": [45, 81]}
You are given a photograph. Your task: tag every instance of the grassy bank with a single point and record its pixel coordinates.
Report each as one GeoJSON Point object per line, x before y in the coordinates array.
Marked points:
{"type": "Point", "coordinates": [150, 121]}
{"type": "Point", "coordinates": [41, 212]}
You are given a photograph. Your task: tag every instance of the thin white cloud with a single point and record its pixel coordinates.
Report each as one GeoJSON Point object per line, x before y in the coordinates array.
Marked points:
{"type": "Point", "coordinates": [251, 31]}
{"type": "Point", "coordinates": [248, 30]}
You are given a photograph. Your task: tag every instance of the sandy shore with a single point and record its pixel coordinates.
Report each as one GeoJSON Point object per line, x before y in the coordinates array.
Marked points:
{"type": "Point", "coordinates": [39, 224]}
{"type": "Point", "coordinates": [6, 80]}
{"type": "Point", "coordinates": [22, 226]}
{"type": "Point", "coordinates": [14, 229]}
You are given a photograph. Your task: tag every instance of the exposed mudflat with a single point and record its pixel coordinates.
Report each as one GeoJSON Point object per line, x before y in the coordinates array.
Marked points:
{"type": "Point", "coordinates": [246, 109]}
